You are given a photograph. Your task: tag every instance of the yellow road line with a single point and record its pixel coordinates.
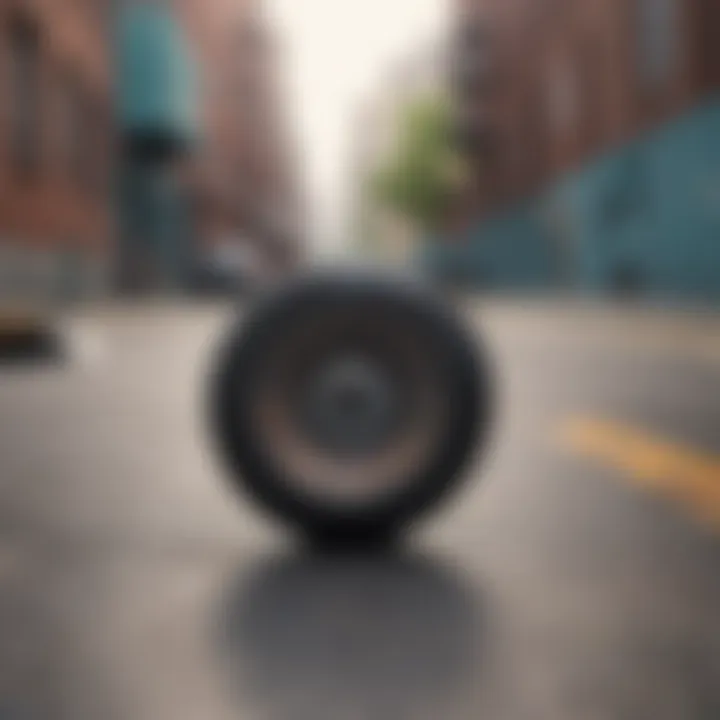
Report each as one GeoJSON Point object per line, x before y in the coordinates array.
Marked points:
{"type": "Point", "coordinates": [687, 476]}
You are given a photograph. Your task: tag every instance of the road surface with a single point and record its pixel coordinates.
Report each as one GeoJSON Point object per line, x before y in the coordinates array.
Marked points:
{"type": "Point", "coordinates": [577, 576]}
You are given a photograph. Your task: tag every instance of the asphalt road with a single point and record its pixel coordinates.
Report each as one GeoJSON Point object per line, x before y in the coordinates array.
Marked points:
{"type": "Point", "coordinates": [577, 577]}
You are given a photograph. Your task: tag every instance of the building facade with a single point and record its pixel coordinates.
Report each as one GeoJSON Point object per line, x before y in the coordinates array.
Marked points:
{"type": "Point", "coordinates": [56, 144]}
{"type": "Point", "coordinates": [242, 172]}
{"type": "Point", "coordinates": [228, 183]}
{"type": "Point", "coordinates": [594, 127]}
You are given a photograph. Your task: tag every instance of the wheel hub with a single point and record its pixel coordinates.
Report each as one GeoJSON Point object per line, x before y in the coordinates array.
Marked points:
{"type": "Point", "coordinates": [352, 405]}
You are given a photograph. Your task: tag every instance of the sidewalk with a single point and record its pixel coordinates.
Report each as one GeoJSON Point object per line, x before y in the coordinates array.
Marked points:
{"type": "Point", "coordinates": [560, 310]}
{"type": "Point", "coordinates": [681, 331]}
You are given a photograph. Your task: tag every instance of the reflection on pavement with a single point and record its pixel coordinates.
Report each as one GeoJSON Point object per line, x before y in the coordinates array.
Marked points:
{"type": "Point", "coordinates": [381, 637]}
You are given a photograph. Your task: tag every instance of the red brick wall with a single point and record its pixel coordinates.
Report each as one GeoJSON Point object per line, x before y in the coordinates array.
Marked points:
{"type": "Point", "coordinates": [51, 209]}
{"type": "Point", "coordinates": [240, 166]}
{"type": "Point", "coordinates": [567, 84]}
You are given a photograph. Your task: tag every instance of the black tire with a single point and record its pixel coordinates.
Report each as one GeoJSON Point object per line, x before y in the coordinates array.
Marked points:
{"type": "Point", "coordinates": [291, 329]}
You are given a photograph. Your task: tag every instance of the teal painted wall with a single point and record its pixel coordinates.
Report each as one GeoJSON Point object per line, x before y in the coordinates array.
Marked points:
{"type": "Point", "coordinates": [649, 211]}
{"type": "Point", "coordinates": [510, 250]}
{"type": "Point", "coordinates": [653, 207]}
{"type": "Point", "coordinates": [155, 75]}
{"type": "Point", "coordinates": [158, 103]}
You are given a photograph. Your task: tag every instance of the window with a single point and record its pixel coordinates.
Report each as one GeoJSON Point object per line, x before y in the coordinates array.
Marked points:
{"type": "Point", "coordinates": [707, 22]}
{"type": "Point", "coordinates": [472, 65]}
{"type": "Point", "coordinates": [82, 134]}
{"type": "Point", "coordinates": [73, 137]}
{"type": "Point", "coordinates": [24, 76]}
{"type": "Point", "coordinates": [251, 36]}
{"type": "Point", "coordinates": [536, 136]}
{"type": "Point", "coordinates": [657, 43]}
{"type": "Point", "coordinates": [592, 110]}
{"type": "Point", "coordinates": [563, 97]}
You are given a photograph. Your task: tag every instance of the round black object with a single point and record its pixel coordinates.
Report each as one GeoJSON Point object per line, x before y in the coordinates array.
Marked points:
{"type": "Point", "coordinates": [348, 405]}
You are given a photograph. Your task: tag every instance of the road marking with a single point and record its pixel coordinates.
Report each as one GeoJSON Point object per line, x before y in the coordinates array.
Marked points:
{"type": "Point", "coordinates": [685, 475]}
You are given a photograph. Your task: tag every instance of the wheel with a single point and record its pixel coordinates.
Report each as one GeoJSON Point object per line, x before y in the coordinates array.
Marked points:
{"type": "Point", "coordinates": [347, 406]}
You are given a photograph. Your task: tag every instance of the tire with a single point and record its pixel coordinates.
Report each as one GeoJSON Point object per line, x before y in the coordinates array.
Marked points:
{"type": "Point", "coordinates": [316, 462]}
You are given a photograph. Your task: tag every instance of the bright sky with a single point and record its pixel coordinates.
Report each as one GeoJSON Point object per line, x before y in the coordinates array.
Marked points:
{"type": "Point", "coordinates": [335, 53]}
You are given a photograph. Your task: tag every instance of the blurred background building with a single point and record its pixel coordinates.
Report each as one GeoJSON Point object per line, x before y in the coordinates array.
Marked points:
{"type": "Point", "coordinates": [593, 131]}
{"type": "Point", "coordinates": [244, 176]}
{"type": "Point", "coordinates": [143, 145]}
{"type": "Point", "coordinates": [56, 144]}
{"type": "Point", "coordinates": [209, 180]}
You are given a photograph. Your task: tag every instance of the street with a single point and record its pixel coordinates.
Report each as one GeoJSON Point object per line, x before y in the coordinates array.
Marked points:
{"type": "Point", "coordinates": [576, 576]}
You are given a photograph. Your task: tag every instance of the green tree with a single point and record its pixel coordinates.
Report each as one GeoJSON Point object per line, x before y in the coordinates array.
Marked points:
{"type": "Point", "coordinates": [424, 169]}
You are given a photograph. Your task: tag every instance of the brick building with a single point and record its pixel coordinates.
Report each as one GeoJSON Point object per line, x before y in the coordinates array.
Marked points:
{"type": "Point", "coordinates": [593, 127]}
{"type": "Point", "coordinates": [56, 141]}
{"type": "Point", "coordinates": [544, 85]}
{"type": "Point", "coordinates": [242, 172]}
{"type": "Point", "coordinates": [234, 183]}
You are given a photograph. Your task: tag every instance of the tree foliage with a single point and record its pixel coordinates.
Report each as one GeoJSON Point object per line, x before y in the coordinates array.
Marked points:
{"type": "Point", "coordinates": [424, 170]}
